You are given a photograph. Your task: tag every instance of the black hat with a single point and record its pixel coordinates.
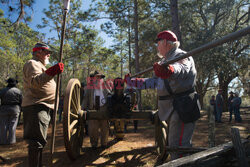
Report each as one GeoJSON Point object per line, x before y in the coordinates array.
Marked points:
{"type": "Point", "coordinates": [40, 46]}
{"type": "Point", "coordinates": [12, 81]}
{"type": "Point", "coordinates": [96, 73]}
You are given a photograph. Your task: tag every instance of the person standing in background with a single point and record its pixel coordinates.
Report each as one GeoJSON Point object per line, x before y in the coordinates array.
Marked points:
{"type": "Point", "coordinates": [212, 103]}
{"type": "Point", "coordinates": [60, 108]}
{"type": "Point", "coordinates": [10, 108]}
{"type": "Point", "coordinates": [230, 105]}
{"type": "Point", "coordinates": [219, 105]}
{"type": "Point", "coordinates": [82, 92]}
{"type": "Point", "coordinates": [95, 97]}
{"type": "Point", "coordinates": [236, 108]}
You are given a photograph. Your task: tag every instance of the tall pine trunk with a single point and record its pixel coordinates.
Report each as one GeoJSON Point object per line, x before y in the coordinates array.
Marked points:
{"type": "Point", "coordinates": [137, 64]}
{"type": "Point", "coordinates": [175, 18]}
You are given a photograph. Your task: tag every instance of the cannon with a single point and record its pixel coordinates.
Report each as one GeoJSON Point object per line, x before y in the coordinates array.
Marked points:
{"type": "Point", "coordinates": [120, 108]}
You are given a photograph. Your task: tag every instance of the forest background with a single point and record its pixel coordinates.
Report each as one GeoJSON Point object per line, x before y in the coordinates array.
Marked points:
{"type": "Point", "coordinates": [133, 24]}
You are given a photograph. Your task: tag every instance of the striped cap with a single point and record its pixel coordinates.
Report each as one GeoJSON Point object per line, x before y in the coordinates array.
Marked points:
{"type": "Point", "coordinates": [40, 46]}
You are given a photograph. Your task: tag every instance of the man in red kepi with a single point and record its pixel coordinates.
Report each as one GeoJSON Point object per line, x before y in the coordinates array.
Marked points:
{"type": "Point", "coordinates": [178, 103]}
{"type": "Point", "coordinates": [38, 101]}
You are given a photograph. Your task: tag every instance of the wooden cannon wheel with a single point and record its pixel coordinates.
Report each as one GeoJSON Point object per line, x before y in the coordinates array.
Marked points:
{"type": "Point", "coordinates": [73, 123]}
{"type": "Point", "coordinates": [160, 138]}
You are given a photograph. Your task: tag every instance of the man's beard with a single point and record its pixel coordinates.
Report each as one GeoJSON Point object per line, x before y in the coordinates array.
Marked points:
{"type": "Point", "coordinates": [160, 55]}
{"type": "Point", "coordinates": [46, 61]}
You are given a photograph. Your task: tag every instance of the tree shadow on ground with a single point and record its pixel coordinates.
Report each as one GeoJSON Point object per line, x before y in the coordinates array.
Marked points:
{"type": "Point", "coordinates": [134, 157]}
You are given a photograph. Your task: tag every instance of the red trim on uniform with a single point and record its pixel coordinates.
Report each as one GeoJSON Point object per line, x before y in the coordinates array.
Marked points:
{"type": "Point", "coordinates": [39, 48]}
{"type": "Point", "coordinates": [180, 141]}
{"type": "Point", "coordinates": [182, 130]}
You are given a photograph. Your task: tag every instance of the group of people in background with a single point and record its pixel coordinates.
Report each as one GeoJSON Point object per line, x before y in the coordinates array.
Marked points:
{"type": "Point", "coordinates": [234, 102]}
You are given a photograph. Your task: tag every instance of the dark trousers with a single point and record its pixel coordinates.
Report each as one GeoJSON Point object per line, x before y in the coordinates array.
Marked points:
{"type": "Point", "coordinates": [36, 122]}
{"type": "Point", "coordinates": [230, 113]}
{"type": "Point", "coordinates": [237, 114]}
{"type": "Point", "coordinates": [218, 113]}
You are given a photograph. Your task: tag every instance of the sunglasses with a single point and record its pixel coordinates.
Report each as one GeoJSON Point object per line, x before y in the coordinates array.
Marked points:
{"type": "Point", "coordinates": [46, 51]}
{"type": "Point", "coordinates": [158, 39]}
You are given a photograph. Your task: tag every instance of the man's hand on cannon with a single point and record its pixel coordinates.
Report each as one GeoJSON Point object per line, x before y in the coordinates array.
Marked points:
{"type": "Point", "coordinates": [56, 69]}
{"type": "Point", "coordinates": [134, 82]}
{"type": "Point", "coordinates": [163, 72]}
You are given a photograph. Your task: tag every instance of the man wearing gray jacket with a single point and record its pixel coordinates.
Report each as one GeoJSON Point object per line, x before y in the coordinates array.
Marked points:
{"type": "Point", "coordinates": [11, 100]}
{"type": "Point", "coordinates": [175, 80]}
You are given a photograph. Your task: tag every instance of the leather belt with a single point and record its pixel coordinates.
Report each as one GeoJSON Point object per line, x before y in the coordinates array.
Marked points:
{"type": "Point", "coordinates": [168, 97]}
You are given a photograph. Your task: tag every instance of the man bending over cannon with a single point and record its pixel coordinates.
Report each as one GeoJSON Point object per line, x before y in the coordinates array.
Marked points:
{"type": "Point", "coordinates": [177, 100]}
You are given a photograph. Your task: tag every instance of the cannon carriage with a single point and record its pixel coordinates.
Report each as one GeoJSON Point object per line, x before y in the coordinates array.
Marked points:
{"type": "Point", "coordinates": [74, 118]}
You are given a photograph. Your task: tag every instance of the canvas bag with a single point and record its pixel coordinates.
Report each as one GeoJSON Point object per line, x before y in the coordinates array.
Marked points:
{"type": "Point", "coordinates": [186, 104]}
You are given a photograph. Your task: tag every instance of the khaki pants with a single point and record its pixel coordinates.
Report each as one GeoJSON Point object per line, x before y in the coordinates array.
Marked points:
{"type": "Point", "coordinates": [98, 128]}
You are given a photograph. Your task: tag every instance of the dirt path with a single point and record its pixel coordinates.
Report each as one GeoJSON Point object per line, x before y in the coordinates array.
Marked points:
{"type": "Point", "coordinates": [137, 149]}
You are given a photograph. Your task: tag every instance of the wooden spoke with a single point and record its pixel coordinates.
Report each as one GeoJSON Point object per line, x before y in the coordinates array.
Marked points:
{"type": "Point", "coordinates": [73, 132]}
{"type": "Point", "coordinates": [74, 106]}
{"type": "Point", "coordinates": [73, 115]}
{"type": "Point", "coordinates": [75, 96]}
{"type": "Point", "coordinates": [73, 124]}
{"type": "Point", "coordinates": [75, 99]}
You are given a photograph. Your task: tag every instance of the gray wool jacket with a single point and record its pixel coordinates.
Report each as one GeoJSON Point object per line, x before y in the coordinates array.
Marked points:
{"type": "Point", "coordinates": [11, 100]}
{"type": "Point", "coordinates": [183, 79]}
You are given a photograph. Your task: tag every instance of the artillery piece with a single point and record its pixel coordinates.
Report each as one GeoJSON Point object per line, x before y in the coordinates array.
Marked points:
{"type": "Point", "coordinates": [75, 117]}
{"type": "Point", "coordinates": [119, 108]}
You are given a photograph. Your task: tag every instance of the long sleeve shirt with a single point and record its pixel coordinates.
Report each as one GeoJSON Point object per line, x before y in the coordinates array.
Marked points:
{"type": "Point", "coordinates": [39, 88]}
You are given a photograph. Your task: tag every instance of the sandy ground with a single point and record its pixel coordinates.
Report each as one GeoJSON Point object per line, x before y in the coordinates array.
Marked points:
{"type": "Point", "coordinates": [136, 149]}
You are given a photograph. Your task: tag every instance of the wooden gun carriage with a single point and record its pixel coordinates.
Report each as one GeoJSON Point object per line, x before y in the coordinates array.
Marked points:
{"type": "Point", "coordinates": [74, 120]}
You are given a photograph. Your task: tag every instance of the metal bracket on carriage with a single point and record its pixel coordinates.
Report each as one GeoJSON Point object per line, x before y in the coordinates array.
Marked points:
{"type": "Point", "coordinates": [82, 115]}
